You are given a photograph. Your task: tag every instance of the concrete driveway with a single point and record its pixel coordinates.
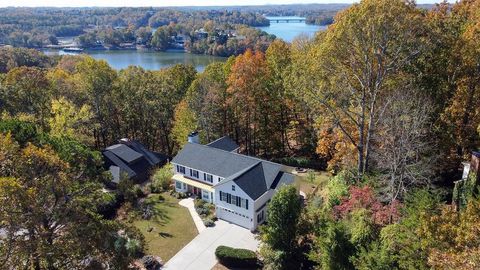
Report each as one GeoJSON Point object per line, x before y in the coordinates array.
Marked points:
{"type": "Point", "coordinates": [199, 254]}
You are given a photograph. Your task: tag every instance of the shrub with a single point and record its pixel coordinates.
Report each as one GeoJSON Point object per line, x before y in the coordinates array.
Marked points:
{"type": "Point", "coordinates": [199, 203]}
{"type": "Point", "coordinates": [161, 179]}
{"type": "Point", "coordinates": [180, 195]}
{"type": "Point", "coordinates": [236, 257]}
{"type": "Point", "coordinates": [147, 212]}
{"type": "Point", "coordinates": [208, 222]}
{"type": "Point", "coordinates": [151, 263]}
{"type": "Point", "coordinates": [138, 191]}
{"type": "Point", "coordinates": [203, 211]}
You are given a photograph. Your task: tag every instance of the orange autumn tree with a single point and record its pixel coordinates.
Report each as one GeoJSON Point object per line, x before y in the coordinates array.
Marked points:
{"type": "Point", "coordinates": [251, 99]}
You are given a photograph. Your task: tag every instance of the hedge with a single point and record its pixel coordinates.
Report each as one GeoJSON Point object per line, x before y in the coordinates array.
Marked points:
{"type": "Point", "coordinates": [236, 257]}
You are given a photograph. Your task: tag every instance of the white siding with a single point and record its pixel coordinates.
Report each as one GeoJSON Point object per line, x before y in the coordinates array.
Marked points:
{"type": "Point", "coordinates": [259, 203]}
{"type": "Point", "coordinates": [200, 178]}
{"type": "Point", "coordinates": [232, 213]}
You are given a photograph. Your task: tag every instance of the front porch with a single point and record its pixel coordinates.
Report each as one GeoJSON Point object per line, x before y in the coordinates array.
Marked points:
{"type": "Point", "coordinates": [200, 190]}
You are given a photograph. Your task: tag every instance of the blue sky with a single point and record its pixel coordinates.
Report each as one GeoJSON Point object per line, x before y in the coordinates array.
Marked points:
{"type": "Point", "coordinates": [159, 3]}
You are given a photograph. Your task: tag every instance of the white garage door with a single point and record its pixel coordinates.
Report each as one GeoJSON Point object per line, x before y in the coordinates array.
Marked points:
{"type": "Point", "coordinates": [233, 217]}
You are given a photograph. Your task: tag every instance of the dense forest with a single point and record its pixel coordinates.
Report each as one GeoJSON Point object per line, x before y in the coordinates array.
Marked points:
{"type": "Point", "coordinates": [386, 100]}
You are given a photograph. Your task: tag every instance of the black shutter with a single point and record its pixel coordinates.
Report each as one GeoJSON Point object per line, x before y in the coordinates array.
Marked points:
{"type": "Point", "coordinates": [246, 204]}
{"type": "Point", "coordinates": [229, 198]}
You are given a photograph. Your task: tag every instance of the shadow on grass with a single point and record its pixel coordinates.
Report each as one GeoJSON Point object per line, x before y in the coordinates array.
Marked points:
{"type": "Point", "coordinates": [155, 211]}
{"type": "Point", "coordinates": [165, 235]}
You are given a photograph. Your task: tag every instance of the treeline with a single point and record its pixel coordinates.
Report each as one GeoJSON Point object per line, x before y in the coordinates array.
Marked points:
{"type": "Point", "coordinates": [320, 14]}
{"type": "Point", "coordinates": [36, 27]}
{"type": "Point", "coordinates": [90, 101]}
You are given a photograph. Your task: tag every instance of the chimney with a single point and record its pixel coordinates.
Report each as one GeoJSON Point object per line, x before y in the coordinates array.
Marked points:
{"type": "Point", "coordinates": [193, 137]}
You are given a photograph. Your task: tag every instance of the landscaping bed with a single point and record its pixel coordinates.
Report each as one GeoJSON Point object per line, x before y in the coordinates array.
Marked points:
{"type": "Point", "coordinates": [206, 211]}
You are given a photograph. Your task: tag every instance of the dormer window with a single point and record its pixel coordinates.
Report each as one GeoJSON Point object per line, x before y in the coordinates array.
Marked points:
{"type": "Point", "coordinates": [193, 173]}
{"type": "Point", "coordinates": [180, 169]}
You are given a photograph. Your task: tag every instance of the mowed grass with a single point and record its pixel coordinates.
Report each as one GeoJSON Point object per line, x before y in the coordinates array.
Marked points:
{"type": "Point", "coordinates": [172, 227]}
{"type": "Point", "coordinates": [307, 184]}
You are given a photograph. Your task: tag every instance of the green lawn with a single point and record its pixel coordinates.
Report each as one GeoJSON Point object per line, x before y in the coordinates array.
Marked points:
{"type": "Point", "coordinates": [307, 184]}
{"type": "Point", "coordinates": [172, 225]}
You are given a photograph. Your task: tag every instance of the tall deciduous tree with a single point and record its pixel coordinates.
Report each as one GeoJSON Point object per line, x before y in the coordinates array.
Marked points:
{"type": "Point", "coordinates": [184, 123]}
{"type": "Point", "coordinates": [367, 46]}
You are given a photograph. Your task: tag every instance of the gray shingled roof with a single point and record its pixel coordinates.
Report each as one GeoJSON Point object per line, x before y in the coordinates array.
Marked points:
{"type": "Point", "coordinates": [224, 143]}
{"type": "Point", "coordinates": [124, 152]}
{"type": "Point", "coordinates": [212, 160]}
{"type": "Point", "coordinates": [252, 175]}
{"type": "Point", "coordinates": [152, 157]}
{"type": "Point", "coordinates": [283, 178]}
{"type": "Point", "coordinates": [120, 163]}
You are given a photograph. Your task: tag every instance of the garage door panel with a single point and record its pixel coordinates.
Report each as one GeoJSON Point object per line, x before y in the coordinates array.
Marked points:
{"type": "Point", "coordinates": [234, 218]}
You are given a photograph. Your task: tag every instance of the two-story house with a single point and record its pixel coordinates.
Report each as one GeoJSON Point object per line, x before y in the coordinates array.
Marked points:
{"type": "Point", "coordinates": [240, 186]}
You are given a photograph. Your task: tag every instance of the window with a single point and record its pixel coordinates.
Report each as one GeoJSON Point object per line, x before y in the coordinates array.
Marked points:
{"type": "Point", "coordinates": [223, 196]}
{"type": "Point", "coordinates": [220, 179]}
{"type": "Point", "coordinates": [178, 185]}
{"type": "Point", "coordinates": [205, 195]}
{"type": "Point", "coordinates": [193, 173]}
{"type": "Point", "coordinates": [180, 169]}
{"type": "Point", "coordinates": [208, 177]}
{"type": "Point", "coordinates": [233, 188]}
{"type": "Point", "coordinates": [243, 203]}
{"type": "Point", "coordinates": [235, 200]}
{"type": "Point", "coordinates": [239, 202]}
{"type": "Point", "coordinates": [260, 217]}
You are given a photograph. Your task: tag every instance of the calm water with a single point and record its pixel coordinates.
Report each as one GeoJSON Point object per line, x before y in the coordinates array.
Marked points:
{"type": "Point", "coordinates": [156, 60]}
{"type": "Point", "coordinates": [150, 60]}
{"type": "Point", "coordinates": [288, 31]}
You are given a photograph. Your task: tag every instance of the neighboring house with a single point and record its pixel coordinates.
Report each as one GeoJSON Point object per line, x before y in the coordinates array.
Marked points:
{"type": "Point", "coordinates": [132, 159]}
{"type": "Point", "coordinates": [465, 188]}
{"type": "Point", "coordinates": [240, 186]}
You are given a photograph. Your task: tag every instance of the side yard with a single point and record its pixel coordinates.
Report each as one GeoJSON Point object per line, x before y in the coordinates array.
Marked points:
{"type": "Point", "coordinates": [311, 182]}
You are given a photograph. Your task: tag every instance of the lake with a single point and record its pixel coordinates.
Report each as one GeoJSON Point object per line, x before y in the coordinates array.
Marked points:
{"type": "Point", "coordinates": [152, 60]}
{"type": "Point", "coordinates": [288, 31]}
